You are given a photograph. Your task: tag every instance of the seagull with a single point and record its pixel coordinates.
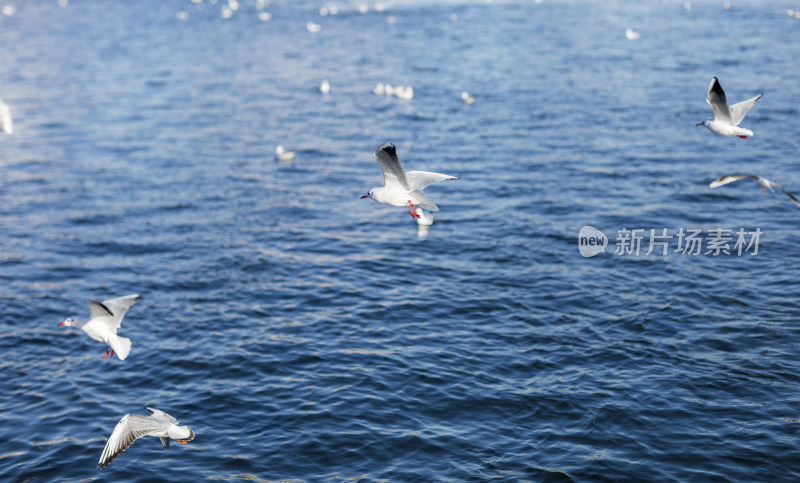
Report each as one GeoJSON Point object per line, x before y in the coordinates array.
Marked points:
{"type": "Point", "coordinates": [468, 99]}
{"type": "Point", "coordinates": [378, 89]}
{"type": "Point", "coordinates": [313, 27]}
{"type": "Point", "coordinates": [405, 93]}
{"type": "Point", "coordinates": [631, 34]}
{"type": "Point", "coordinates": [104, 320]}
{"type": "Point", "coordinates": [726, 119]}
{"type": "Point", "coordinates": [282, 154]}
{"type": "Point", "coordinates": [6, 124]}
{"type": "Point", "coordinates": [762, 183]}
{"type": "Point", "coordinates": [325, 87]}
{"type": "Point", "coordinates": [133, 426]}
{"type": "Point", "coordinates": [401, 188]}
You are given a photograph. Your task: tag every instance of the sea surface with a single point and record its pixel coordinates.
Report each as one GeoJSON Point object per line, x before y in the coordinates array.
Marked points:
{"type": "Point", "coordinates": [306, 334]}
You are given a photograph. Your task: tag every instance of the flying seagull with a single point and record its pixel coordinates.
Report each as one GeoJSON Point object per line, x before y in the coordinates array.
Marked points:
{"type": "Point", "coordinates": [133, 426]}
{"type": "Point", "coordinates": [762, 183]}
{"type": "Point", "coordinates": [726, 119]}
{"type": "Point", "coordinates": [401, 188]}
{"type": "Point", "coordinates": [6, 123]}
{"type": "Point", "coordinates": [104, 320]}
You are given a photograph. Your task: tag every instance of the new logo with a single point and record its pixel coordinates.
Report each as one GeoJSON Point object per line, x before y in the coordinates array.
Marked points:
{"type": "Point", "coordinates": [591, 241]}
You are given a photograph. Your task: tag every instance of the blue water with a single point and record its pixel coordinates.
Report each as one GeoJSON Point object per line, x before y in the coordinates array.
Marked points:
{"type": "Point", "coordinates": [305, 334]}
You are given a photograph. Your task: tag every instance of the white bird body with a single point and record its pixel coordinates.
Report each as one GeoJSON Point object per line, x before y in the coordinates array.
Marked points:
{"type": "Point", "coordinates": [631, 34]}
{"type": "Point", "coordinates": [282, 154]}
{"type": "Point", "coordinates": [134, 426]}
{"type": "Point", "coordinates": [726, 119]}
{"type": "Point", "coordinates": [726, 129]}
{"type": "Point", "coordinates": [761, 182]}
{"type": "Point", "coordinates": [402, 188]}
{"type": "Point", "coordinates": [104, 320]}
{"type": "Point", "coordinates": [6, 123]}
{"type": "Point", "coordinates": [405, 93]}
{"type": "Point", "coordinates": [325, 87]}
{"type": "Point", "coordinates": [468, 99]}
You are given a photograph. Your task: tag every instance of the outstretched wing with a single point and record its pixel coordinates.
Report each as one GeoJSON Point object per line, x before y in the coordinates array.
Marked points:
{"type": "Point", "coordinates": [157, 414]}
{"type": "Point", "coordinates": [98, 309]}
{"type": "Point", "coordinates": [718, 102]}
{"type": "Point", "coordinates": [418, 180]}
{"type": "Point", "coordinates": [130, 428]}
{"type": "Point", "coordinates": [791, 197]}
{"type": "Point", "coordinates": [730, 178]}
{"type": "Point", "coordinates": [393, 174]}
{"type": "Point", "coordinates": [739, 110]}
{"type": "Point", "coordinates": [119, 306]}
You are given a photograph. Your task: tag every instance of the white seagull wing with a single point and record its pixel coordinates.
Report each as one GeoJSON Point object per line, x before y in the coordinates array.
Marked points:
{"type": "Point", "coordinates": [730, 178]}
{"type": "Point", "coordinates": [718, 102]}
{"type": "Point", "coordinates": [119, 306]}
{"type": "Point", "coordinates": [130, 428]}
{"type": "Point", "coordinates": [418, 180]}
{"type": "Point", "coordinates": [393, 174]}
{"type": "Point", "coordinates": [159, 415]}
{"type": "Point", "coordinates": [98, 309]}
{"type": "Point", "coordinates": [739, 110]}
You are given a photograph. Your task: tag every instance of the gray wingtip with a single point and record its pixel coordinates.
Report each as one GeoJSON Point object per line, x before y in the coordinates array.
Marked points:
{"type": "Point", "coordinates": [388, 148]}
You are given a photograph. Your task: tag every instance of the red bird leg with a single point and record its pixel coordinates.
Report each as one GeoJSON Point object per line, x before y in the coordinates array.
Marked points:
{"type": "Point", "coordinates": [112, 352]}
{"type": "Point", "coordinates": [411, 210]}
{"type": "Point", "coordinates": [106, 354]}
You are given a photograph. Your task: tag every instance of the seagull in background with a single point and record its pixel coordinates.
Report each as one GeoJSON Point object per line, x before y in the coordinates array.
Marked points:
{"type": "Point", "coordinates": [6, 123]}
{"type": "Point", "coordinates": [134, 426]}
{"type": "Point", "coordinates": [726, 119]}
{"type": "Point", "coordinates": [325, 87]}
{"type": "Point", "coordinates": [282, 154]}
{"type": "Point", "coordinates": [405, 93]}
{"type": "Point", "coordinates": [466, 98]}
{"type": "Point", "coordinates": [104, 320]}
{"type": "Point", "coordinates": [401, 188]}
{"type": "Point", "coordinates": [761, 182]}
{"type": "Point", "coordinates": [631, 34]}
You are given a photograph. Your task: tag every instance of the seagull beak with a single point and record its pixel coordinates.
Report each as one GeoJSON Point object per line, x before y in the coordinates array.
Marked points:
{"type": "Point", "coordinates": [699, 124]}
{"type": "Point", "coordinates": [61, 324]}
{"type": "Point", "coordinates": [365, 196]}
